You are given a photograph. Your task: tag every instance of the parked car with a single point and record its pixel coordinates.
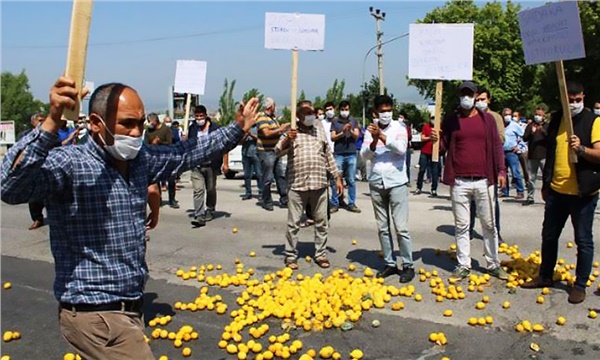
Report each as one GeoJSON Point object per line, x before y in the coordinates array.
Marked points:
{"type": "Point", "coordinates": [235, 162]}
{"type": "Point", "coordinates": [416, 139]}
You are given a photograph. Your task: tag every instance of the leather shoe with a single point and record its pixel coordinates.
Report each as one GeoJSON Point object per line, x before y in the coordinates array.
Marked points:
{"type": "Point", "coordinates": [538, 283]}
{"type": "Point", "coordinates": [576, 296]}
{"type": "Point", "coordinates": [387, 271]}
{"type": "Point", "coordinates": [36, 224]}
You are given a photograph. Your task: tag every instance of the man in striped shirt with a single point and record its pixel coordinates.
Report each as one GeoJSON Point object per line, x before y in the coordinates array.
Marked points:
{"type": "Point", "coordinates": [269, 132]}
{"type": "Point", "coordinates": [310, 160]}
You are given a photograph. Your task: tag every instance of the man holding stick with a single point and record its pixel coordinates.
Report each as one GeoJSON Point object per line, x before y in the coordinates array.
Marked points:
{"type": "Point", "coordinates": [96, 195]}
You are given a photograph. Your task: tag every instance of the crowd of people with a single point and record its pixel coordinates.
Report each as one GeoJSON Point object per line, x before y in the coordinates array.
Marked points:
{"type": "Point", "coordinates": [103, 172]}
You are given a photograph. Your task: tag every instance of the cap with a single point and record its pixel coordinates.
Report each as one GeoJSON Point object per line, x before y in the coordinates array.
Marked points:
{"type": "Point", "coordinates": [268, 102]}
{"type": "Point", "coordinates": [468, 85]}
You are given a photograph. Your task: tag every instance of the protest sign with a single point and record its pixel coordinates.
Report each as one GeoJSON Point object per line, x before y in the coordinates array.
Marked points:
{"type": "Point", "coordinates": [190, 78]}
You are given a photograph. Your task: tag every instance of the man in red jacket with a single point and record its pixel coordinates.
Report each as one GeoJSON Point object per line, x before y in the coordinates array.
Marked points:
{"type": "Point", "coordinates": [474, 163]}
{"type": "Point", "coordinates": [425, 160]}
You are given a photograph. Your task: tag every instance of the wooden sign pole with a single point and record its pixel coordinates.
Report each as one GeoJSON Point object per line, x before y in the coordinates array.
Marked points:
{"type": "Point", "coordinates": [81, 18]}
{"type": "Point", "coordinates": [564, 100]}
{"type": "Point", "coordinates": [186, 117]}
{"type": "Point", "coordinates": [294, 85]}
{"type": "Point", "coordinates": [435, 157]}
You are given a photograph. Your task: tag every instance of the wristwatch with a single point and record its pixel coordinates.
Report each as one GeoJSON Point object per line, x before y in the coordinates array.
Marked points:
{"type": "Point", "coordinates": [580, 150]}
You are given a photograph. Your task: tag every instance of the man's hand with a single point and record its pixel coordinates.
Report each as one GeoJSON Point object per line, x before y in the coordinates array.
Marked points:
{"type": "Point", "coordinates": [152, 220]}
{"type": "Point", "coordinates": [544, 194]}
{"type": "Point", "coordinates": [339, 185]}
{"type": "Point", "coordinates": [574, 143]}
{"type": "Point", "coordinates": [434, 135]}
{"type": "Point", "coordinates": [283, 127]}
{"type": "Point", "coordinates": [347, 127]}
{"type": "Point", "coordinates": [63, 95]}
{"type": "Point", "coordinates": [225, 168]}
{"type": "Point", "coordinates": [248, 114]}
{"type": "Point", "coordinates": [155, 141]}
{"type": "Point", "coordinates": [501, 182]}
{"type": "Point", "coordinates": [374, 130]}
{"type": "Point", "coordinates": [292, 134]}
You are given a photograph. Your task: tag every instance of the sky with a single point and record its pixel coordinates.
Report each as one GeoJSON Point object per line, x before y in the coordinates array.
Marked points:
{"type": "Point", "coordinates": [138, 43]}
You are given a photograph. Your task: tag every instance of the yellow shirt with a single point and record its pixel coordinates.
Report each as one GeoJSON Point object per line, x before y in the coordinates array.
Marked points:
{"type": "Point", "coordinates": [564, 177]}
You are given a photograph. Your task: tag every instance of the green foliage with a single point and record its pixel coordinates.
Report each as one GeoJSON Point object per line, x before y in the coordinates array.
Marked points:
{"type": "Point", "coordinates": [286, 115]}
{"type": "Point", "coordinates": [227, 106]}
{"type": "Point", "coordinates": [302, 96]}
{"type": "Point", "coordinates": [253, 93]}
{"type": "Point", "coordinates": [18, 103]}
{"type": "Point", "coordinates": [416, 117]}
{"type": "Point", "coordinates": [336, 92]}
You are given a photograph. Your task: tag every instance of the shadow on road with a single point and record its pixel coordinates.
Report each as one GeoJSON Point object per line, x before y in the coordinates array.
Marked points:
{"type": "Point", "coordinates": [446, 229]}
{"type": "Point", "coordinates": [369, 258]}
{"type": "Point", "coordinates": [153, 309]}
{"type": "Point", "coordinates": [442, 208]}
{"type": "Point", "coordinates": [216, 214]}
{"type": "Point", "coordinates": [304, 249]}
{"type": "Point", "coordinates": [439, 259]}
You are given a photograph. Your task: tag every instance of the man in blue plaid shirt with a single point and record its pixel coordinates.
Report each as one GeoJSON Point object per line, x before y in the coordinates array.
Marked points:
{"type": "Point", "coordinates": [96, 201]}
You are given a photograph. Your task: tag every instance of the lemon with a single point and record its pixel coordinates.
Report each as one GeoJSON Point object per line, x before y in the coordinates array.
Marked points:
{"type": "Point", "coordinates": [186, 352]}
{"type": "Point", "coordinates": [351, 267]}
{"type": "Point", "coordinates": [163, 357]}
{"type": "Point", "coordinates": [68, 356]}
{"type": "Point", "coordinates": [538, 327]}
{"type": "Point", "coordinates": [506, 304]}
{"type": "Point", "coordinates": [326, 352]}
{"type": "Point", "coordinates": [489, 320]}
{"type": "Point", "coordinates": [569, 245]}
{"type": "Point", "coordinates": [7, 285]}
{"type": "Point", "coordinates": [472, 321]}
{"type": "Point", "coordinates": [356, 354]}
{"type": "Point", "coordinates": [305, 357]}
{"type": "Point", "coordinates": [480, 305]}
{"type": "Point", "coordinates": [520, 328]}
{"type": "Point", "coordinates": [545, 291]}
{"type": "Point", "coordinates": [252, 254]}
{"type": "Point", "coordinates": [561, 320]}
{"type": "Point", "coordinates": [7, 336]}
{"type": "Point", "coordinates": [433, 337]}
{"type": "Point", "coordinates": [448, 313]}
{"type": "Point", "coordinates": [234, 230]}
{"type": "Point", "coordinates": [354, 242]}
{"type": "Point", "coordinates": [268, 355]}
{"type": "Point", "coordinates": [336, 356]}
{"type": "Point", "coordinates": [312, 353]}
{"type": "Point", "coordinates": [540, 299]}
{"type": "Point", "coordinates": [593, 314]}
{"type": "Point", "coordinates": [481, 321]}
{"type": "Point", "coordinates": [242, 355]}
{"type": "Point", "coordinates": [418, 297]}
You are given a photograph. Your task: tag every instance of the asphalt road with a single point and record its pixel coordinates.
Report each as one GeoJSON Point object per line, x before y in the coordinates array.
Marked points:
{"type": "Point", "coordinates": [30, 307]}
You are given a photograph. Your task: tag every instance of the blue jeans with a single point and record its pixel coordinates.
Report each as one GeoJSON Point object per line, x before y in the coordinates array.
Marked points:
{"type": "Point", "coordinates": [558, 208]}
{"type": "Point", "coordinates": [251, 165]}
{"type": "Point", "coordinates": [346, 163]}
{"type": "Point", "coordinates": [394, 200]}
{"type": "Point", "coordinates": [272, 169]}
{"type": "Point", "coordinates": [512, 162]}
{"type": "Point", "coordinates": [426, 164]}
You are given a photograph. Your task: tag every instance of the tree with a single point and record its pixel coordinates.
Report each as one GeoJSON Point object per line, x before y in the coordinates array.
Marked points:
{"type": "Point", "coordinates": [18, 103]}
{"type": "Point", "coordinates": [498, 60]}
{"type": "Point", "coordinates": [416, 117]}
{"type": "Point", "coordinates": [302, 96]}
{"type": "Point", "coordinates": [227, 103]}
{"type": "Point", "coordinates": [253, 93]}
{"type": "Point", "coordinates": [335, 93]}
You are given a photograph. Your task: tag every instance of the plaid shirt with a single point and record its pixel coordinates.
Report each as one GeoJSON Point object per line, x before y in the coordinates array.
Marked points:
{"type": "Point", "coordinates": [309, 159]}
{"type": "Point", "coordinates": [96, 216]}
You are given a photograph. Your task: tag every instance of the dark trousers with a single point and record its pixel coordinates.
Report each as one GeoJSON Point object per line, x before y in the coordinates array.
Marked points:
{"type": "Point", "coordinates": [171, 188]}
{"type": "Point", "coordinates": [426, 163]}
{"type": "Point", "coordinates": [558, 208]}
{"type": "Point", "coordinates": [409, 152]}
{"type": "Point", "coordinates": [496, 214]}
{"type": "Point", "coordinates": [35, 210]}
{"type": "Point", "coordinates": [273, 170]}
{"type": "Point", "coordinates": [251, 165]}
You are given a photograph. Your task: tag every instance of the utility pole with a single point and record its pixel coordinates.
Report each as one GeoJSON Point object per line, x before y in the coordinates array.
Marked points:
{"type": "Point", "coordinates": [379, 17]}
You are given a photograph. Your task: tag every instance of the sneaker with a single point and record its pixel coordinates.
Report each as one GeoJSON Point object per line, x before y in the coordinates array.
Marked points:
{"type": "Point", "coordinates": [333, 209]}
{"type": "Point", "coordinates": [353, 208]}
{"type": "Point", "coordinates": [417, 192]}
{"type": "Point", "coordinates": [499, 273]}
{"type": "Point", "coordinates": [208, 215]}
{"type": "Point", "coordinates": [198, 222]}
{"type": "Point", "coordinates": [387, 271]}
{"type": "Point", "coordinates": [459, 273]}
{"type": "Point", "coordinates": [576, 296]}
{"type": "Point", "coordinates": [247, 197]}
{"type": "Point", "coordinates": [406, 274]}
{"type": "Point", "coordinates": [174, 204]}
{"type": "Point", "coordinates": [268, 207]}
{"type": "Point", "coordinates": [434, 193]}
{"type": "Point", "coordinates": [283, 204]}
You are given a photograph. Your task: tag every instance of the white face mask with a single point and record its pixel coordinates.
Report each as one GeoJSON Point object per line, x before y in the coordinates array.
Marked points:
{"type": "Point", "coordinates": [597, 111]}
{"type": "Point", "coordinates": [345, 113]}
{"type": "Point", "coordinates": [385, 118]}
{"type": "Point", "coordinates": [168, 124]}
{"type": "Point", "coordinates": [515, 119]}
{"type": "Point", "coordinates": [538, 118]}
{"type": "Point", "coordinates": [467, 102]}
{"type": "Point", "coordinates": [481, 105]}
{"type": "Point", "coordinates": [321, 117]}
{"type": "Point", "coordinates": [201, 122]}
{"type": "Point", "coordinates": [576, 108]}
{"type": "Point", "coordinates": [507, 118]}
{"type": "Point", "coordinates": [330, 114]}
{"type": "Point", "coordinates": [309, 120]}
{"type": "Point", "coordinates": [124, 147]}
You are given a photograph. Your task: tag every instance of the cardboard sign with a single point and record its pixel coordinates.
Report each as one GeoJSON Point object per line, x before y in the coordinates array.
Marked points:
{"type": "Point", "coordinates": [288, 31]}
{"type": "Point", "coordinates": [551, 32]}
{"type": "Point", "coordinates": [440, 51]}
{"type": "Point", "coordinates": [7, 132]}
{"type": "Point", "coordinates": [190, 77]}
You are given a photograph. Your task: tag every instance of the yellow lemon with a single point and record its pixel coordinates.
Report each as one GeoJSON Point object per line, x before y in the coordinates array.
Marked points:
{"type": "Point", "coordinates": [356, 354]}
{"type": "Point", "coordinates": [354, 242]}
{"type": "Point", "coordinates": [538, 328]}
{"type": "Point", "coordinates": [7, 285]}
{"type": "Point", "coordinates": [7, 336]}
{"type": "Point", "coordinates": [433, 337]}
{"type": "Point", "coordinates": [418, 297]}
{"type": "Point", "coordinates": [540, 299]}
{"type": "Point", "coordinates": [69, 356]}
{"type": "Point", "coordinates": [472, 321]}
{"type": "Point", "coordinates": [489, 320]}
{"type": "Point", "coordinates": [486, 299]}
{"type": "Point", "coordinates": [593, 314]}
{"type": "Point", "coordinates": [569, 245]}
{"type": "Point", "coordinates": [163, 357]}
{"type": "Point", "coordinates": [351, 267]}
{"type": "Point", "coordinates": [480, 305]}
{"type": "Point", "coordinates": [561, 320]}
{"type": "Point", "coordinates": [186, 352]}
{"type": "Point", "coordinates": [506, 304]}
{"type": "Point", "coordinates": [545, 291]}
{"type": "Point", "coordinates": [481, 321]}
{"type": "Point", "coordinates": [448, 313]}
{"type": "Point", "coordinates": [234, 230]}
{"type": "Point", "coordinates": [252, 254]}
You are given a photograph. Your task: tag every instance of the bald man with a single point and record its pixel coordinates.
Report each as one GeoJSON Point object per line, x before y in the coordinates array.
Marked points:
{"type": "Point", "coordinates": [95, 194]}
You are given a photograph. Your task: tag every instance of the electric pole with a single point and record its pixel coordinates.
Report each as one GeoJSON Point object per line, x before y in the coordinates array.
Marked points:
{"type": "Point", "coordinates": [379, 17]}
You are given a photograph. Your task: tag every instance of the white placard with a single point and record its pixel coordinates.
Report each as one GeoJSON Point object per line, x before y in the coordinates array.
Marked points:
{"type": "Point", "coordinates": [440, 51]}
{"type": "Point", "coordinates": [551, 32]}
{"type": "Point", "coordinates": [190, 77]}
{"type": "Point", "coordinates": [7, 132]}
{"type": "Point", "coordinates": [289, 31]}
{"type": "Point", "coordinates": [90, 86]}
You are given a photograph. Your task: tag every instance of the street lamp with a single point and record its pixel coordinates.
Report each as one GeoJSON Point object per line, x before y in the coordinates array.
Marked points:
{"type": "Point", "coordinates": [363, 69]}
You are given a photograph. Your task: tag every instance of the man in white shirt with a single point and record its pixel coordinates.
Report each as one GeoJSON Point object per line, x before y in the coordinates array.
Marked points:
{"type": "Point", "coordinates": [384, 149]}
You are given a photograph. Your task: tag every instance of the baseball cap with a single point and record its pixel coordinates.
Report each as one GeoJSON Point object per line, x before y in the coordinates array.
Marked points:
{"type": "Point", "coordinates": [468, 85]}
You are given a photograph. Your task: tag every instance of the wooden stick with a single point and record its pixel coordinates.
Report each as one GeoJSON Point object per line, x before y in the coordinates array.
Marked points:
{"type": "Point", "coordinates": [439, 88]}
{"type": "Point", "coordinates": [294, 85]}
{"type": "Point", "coordinates": [186, 117]}
{"type": "Point", "coordinates": [81, 18]}
{"type": "Point", "coordinates": [564, 100]}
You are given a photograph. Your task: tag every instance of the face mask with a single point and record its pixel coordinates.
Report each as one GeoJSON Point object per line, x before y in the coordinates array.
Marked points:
{"type": "Point", "coordinates": [330, 114]}
{"type": "Point", "coordinates": [309, 120]}
{"type": "Point", "coordinates": [376, 121]}
{"type": "Point", "coordinates": [385, 118]}
{"type": "Point", "coordinates": [507, 118]}
{"type": "Point", "coordinates": [168, 124]}
{"type": "Point", "coordinates": [345, 114]}
{"type": "Point", "coordinates": [538, 118]}
{"type": "Point", "coordinates": [124, 147]}
{"type": "Point", "coordinates": [481, 105]}
{"type": "Point", "coordinates": [201, 122]}
{"type": "Point", "coordinates": [151, 126]}
{"type": "Point", "coordinates": [597, 111]}
{"type": "Point", "coordinates": [321, 117]}
{"type": "Point", "coordinates": [576, 108]}
{"type": "Point", "coordinates": [515, 119]}
{"type": "Point", "coordinates": [467, 102]}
